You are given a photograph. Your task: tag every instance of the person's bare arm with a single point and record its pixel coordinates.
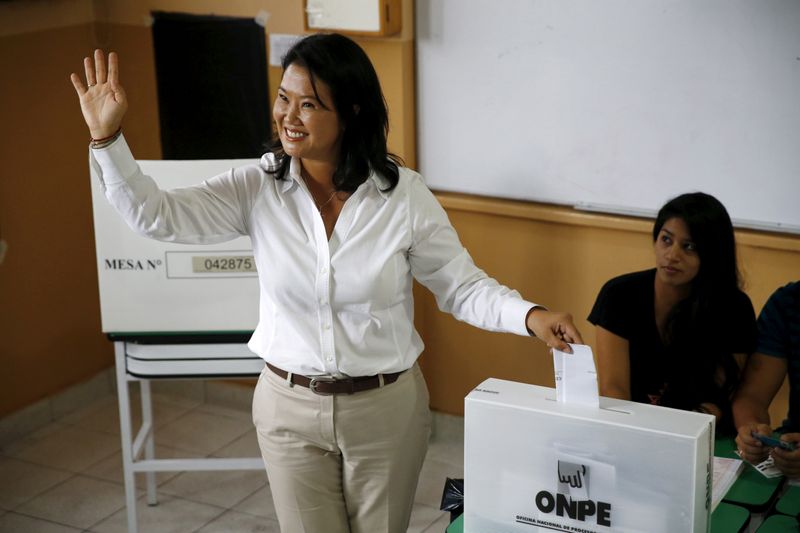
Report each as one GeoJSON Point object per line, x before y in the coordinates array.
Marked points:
{"type": "Point", "coordinates": [763, 376]}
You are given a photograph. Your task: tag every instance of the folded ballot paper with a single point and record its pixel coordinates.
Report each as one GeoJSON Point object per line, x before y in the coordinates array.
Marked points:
{"type": "Point", "coordinates": [542, 460]}
{"type": "Point", "coordinates": [576, 376]}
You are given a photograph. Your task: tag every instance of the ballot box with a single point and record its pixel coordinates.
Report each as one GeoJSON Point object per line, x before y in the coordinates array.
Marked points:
{"type": "Point", "coordinates": [532, 464]}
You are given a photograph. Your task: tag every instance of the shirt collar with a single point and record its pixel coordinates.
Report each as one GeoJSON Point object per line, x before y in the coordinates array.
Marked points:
{"type": "Point", "coordinates": [381, 184]}
{"type": "Point", "coordinates": [294, 178]}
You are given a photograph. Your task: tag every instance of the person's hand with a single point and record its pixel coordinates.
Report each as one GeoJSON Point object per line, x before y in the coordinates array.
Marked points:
{"type": "Point", "coordinates": [786, 461]}
{"type": "Point", "coordinates": [103, 100]}
{"type": "Point", "coordinates": [750, 448]}
{"type": "Point", "coordinates": [554, 328]}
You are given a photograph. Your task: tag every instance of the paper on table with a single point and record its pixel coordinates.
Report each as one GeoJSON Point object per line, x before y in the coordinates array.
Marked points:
{"type": "Point", "coordinates": [726, 470]}
{"type": "Point", "coordinates": [576, 376]}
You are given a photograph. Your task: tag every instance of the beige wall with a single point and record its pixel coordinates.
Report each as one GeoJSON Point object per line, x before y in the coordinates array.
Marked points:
{"type": "Point", "coordinates": [560, 258]}
{"type": "Point", "coordinates": [49, 310]}
{"type": "Point", "coordinates": [49, 316]}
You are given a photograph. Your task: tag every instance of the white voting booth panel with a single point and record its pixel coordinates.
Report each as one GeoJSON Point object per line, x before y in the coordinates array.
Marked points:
{"type": "Point", "coordinates": [148, 286]}
{"type": "Point", "coordinates": [533, 464]}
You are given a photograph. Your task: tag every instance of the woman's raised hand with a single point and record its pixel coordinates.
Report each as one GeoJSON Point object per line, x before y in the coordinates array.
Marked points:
{"type": "Point", "coordinates": [103, 100]}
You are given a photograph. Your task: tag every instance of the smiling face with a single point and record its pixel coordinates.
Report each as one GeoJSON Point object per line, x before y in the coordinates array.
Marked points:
{"type": "Point", "coordinates": [677, 261]}
{"type": "Point", "coordinates": [307, 122]}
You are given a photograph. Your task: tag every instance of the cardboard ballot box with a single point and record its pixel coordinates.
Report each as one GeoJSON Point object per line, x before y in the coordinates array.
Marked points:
{"type": "Point", "coordinates": [532, 464]}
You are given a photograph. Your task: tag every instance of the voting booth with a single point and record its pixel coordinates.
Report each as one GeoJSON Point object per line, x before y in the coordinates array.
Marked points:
{"type": "Point", "coordinates": [532, 464]}
{"type": "Point", "coordinates": [174, 311]}
{"type": "Point", "coordinates": [148, 286]}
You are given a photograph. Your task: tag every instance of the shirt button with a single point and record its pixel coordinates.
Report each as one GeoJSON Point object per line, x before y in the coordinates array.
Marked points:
{"type": "Point", "coordinates": [330, 358]}
{"type": "Point", "coordinates": [324, 270]}
{"type": "Point", "coordinates": [327, 326]}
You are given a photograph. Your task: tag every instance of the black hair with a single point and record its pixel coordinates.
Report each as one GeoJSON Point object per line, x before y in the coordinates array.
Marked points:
{"type": "Point", "coordinates": [695, 329]}
{"type": "Point", "coordinates": [712, 233]}
{"type": "Point", "coordinates": [358, 100]}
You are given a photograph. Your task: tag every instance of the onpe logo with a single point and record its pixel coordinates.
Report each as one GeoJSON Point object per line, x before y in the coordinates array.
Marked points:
{"type": "Point", "coordinates": [572, 499]}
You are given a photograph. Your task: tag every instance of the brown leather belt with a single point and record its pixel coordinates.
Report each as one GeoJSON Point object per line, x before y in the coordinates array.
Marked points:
{"type": "Point", "coordinates": [324, 385]}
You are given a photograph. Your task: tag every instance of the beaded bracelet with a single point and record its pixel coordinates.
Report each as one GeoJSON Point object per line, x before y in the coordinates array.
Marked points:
{"type": "Point", "coordinates": [105, 141]}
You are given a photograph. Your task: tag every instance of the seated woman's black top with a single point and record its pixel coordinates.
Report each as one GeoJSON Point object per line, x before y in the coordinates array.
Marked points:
{"type": "Point", "coordinates": [670, 375]}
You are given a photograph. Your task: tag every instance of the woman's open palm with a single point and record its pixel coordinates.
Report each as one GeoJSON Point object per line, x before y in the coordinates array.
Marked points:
{"type": "Point", "coordinates": [103, 100]}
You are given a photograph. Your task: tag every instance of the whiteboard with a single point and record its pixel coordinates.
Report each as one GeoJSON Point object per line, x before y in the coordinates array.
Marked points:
{"type": "Point", "coordinates": [614, 105]}
{"type": "Point", "coordinates": [147, 286]}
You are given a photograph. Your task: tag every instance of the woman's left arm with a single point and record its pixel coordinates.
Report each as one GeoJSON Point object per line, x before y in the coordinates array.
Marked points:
{"type": "Point", "coordinates": [440, 262]}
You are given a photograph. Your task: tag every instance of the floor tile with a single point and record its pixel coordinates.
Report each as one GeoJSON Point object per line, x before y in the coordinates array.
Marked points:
{"type": "Point", "coordinates": [20, 423]}
{"type": "Point", "coordinates": [80, 395]}
{"type": "Point", "coordinates": [110, 468]}
{"type": "Point", "coordinates": [432, 479]}
{"type": "Point", "coordinates": [78, 502]}
{"type": "Point", "coordinates": [103, 415]}
{"type": "Point", "coordinates": [236, 395]}
{"type": "Point", "coordinates": [171, 515]}
{"type": "Point", "coordinates": [422, 517]}
{"type": "Point", "coordinates": [20, 481]}
{"type": "Point", "coordinates": [244, 446]}
{"type": "Point", "coordinates": [69, 448]}
{"type": "Point", "coordinates": [36, 481]}
{"type": "Point", "coordinates": [17, 523]}
{"type": "Point", "coordinates": [241, 523]}
{"type": "Point", "coordinates": [190, 391]}
{"type": "Point", "coordinates": [259, 504]}
{"type": "Point", "coordinates": [221, 487]}
{"type": "Point", "coordinates": [202, 432]}
{"type": "Point", "coordinates": [447, 452]}
{"type": "Point", "coordinates": [241, 414]}
{"type": "Point", "coordinates": [12, 447]}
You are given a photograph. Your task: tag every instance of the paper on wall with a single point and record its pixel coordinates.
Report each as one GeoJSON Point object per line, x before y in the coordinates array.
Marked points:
{"type": "Point", "coordinates": [576, 376]}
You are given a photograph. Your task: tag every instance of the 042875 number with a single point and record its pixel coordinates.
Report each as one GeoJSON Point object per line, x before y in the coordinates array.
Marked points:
{"type": "Point", "coordinates": [223, 264]}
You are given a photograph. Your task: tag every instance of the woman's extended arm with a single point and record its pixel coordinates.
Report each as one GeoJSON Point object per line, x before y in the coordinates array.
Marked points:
{"type": "Point", "coordinates": [613, 365]}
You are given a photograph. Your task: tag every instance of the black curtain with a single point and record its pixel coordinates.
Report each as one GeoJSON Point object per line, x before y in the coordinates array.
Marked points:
{"type": "Point", "coordinates": [211, 74]}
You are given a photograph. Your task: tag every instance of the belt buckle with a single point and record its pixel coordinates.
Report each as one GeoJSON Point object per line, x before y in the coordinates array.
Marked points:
{"type": "Point", "coordinates": [322, 379]}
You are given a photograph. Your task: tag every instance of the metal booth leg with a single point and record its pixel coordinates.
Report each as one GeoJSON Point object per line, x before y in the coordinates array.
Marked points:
{"type": "Point", "coordinates": [123, 395]}
{"type": "Point", "coordinates": [149, 446]}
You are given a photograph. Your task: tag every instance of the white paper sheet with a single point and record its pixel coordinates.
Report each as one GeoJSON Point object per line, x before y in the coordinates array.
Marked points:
{"type": "Point", "coordinates": [726, 471]}
{"type": "Point", "coordinates": [576, 376]}
{"type": "Point", "coordinates": [279, 45]}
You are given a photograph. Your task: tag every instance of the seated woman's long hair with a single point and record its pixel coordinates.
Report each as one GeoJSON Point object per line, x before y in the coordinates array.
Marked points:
{"type": "Point", "coordinates": [697, 328]}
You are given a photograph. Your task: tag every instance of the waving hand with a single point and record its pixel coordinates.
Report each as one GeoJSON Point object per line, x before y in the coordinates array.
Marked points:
{"type": "Point", "coordinates": [102, 98]}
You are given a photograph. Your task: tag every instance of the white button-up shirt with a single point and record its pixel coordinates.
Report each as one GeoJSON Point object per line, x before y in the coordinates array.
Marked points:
{"type": "Point", "coordinates": [342, 306]}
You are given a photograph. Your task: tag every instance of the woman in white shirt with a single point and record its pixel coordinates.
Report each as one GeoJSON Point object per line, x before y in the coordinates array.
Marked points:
{"type": "Point", "coordinates": [339, 230]}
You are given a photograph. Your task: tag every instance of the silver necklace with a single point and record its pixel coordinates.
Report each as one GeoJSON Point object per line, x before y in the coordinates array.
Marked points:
{"type": "Point", "coordinates": [326, 202]}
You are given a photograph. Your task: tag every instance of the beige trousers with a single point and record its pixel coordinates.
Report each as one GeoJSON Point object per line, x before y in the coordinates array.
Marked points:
{"type": "Point", "coordinates": [343, 463]}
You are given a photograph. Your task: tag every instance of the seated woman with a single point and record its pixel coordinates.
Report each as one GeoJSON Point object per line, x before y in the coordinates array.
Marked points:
{"type": "Point", "coordinates": [677, 335]}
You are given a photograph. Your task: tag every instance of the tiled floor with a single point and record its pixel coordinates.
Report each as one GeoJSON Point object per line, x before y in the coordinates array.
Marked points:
{"type": "Point", "coordinates": [68, 476]}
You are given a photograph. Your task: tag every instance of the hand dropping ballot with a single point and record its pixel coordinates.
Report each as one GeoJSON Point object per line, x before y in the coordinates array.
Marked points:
{"type": "Point", "coordinates": [576, 376]}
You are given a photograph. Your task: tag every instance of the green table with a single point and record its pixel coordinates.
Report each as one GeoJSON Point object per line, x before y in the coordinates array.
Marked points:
{"type": "Point", "coordinates": [751, 490]}
{"type": "Point", "coordinates": [726, 518]}
{"type": "Point", "coordinates": [789, 502]}
{"type": "Point", "coordinates": [779, 523]}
